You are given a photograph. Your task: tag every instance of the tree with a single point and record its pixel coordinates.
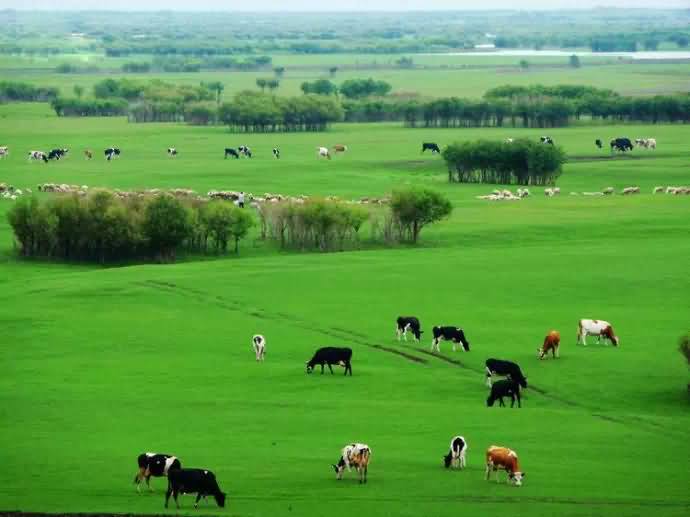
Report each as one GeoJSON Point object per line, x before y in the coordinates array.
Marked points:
{"type": "Point", "coordinates": [217, 87]}
{"type": "Point", "coordinates": [279, 71]}
{"type": "Point", "coordinates": [524, 64]}
{"type": "Point", "coordinates": [166, 225]}
{"type": "Point", "coordinates": [272, 84]}
{"type": "Point", "coordinates": [78, 90]}
{"type": "Point", "coordinates": [574, 61]}
{"type": "Point", "coordinates": [262, 83]}
{"type": "Point", "coordinates": [319, 87]}
{"type": "Point", "coordinates": [651, 44]}
{"type": "Point", "coordinates": [413, 209]}
{"type": "Point", "coordinates": [332, 71]}
{"type": "Point", "coordinates": [359, 88]}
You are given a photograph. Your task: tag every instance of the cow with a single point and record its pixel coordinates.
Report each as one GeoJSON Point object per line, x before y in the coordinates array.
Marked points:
{"type": "Point", "coordinates": [658, 190]}
{"type": "Point", "coordinates": [188, 481]}
{"type": "Point", "coordinates": [630, 190]}
{"type": "Point", "coordinates": [259, 344]}
{"type": "Point", "coordinates": [245, 151]}
{"type": "Point", "coordinates": [454, 334]}
{"type": "Point", "coordinates": [456, 455]}
{"type": "Point", "coordinates": [57, 154]}
{"type": "Point", "coordinates": [651, 143]}
{"type": "Point", "coordinates": [599, 328]}
{"type": "Point", "coordinates": [323, 151]}
{"type": "Point", "coordinates": [504, 369]}
{"type": "Point", "coordinates": [509, 140]}
{"type": "Point", "coordinates": [339, 148]}
{"type": "Point", "coordinates": [551, 343]}
{"type": "Point", "coordinates": [621, 144]}
{"type": "Point", "coordinates": [357, 455]}
{"type": "Point", "coordinates": [330, 355]}
{"type": "Point", "coordinates": [172, 152]}
{"type": "Point", "coordinates": [276, 153]}
{"type": "Point", "coordinates": [504, 388]}
{"type": "Point", "coordinates": [4, 151]}
{"type": "Point", "coordinates": [431, 146]}
{"type": "Point", "coordinates": [405, 323]}
{"type": "Point", "coordinates": [156, 465]}
{"type": "Point", "coordinates": [504, 459]}
{"type": "Point", "coordinates": [111, 152]}
{"type": "Point", "coordinates": [232, 152]}
{"type": "Point", "coordinates": [546, 140]}
{"type": "Point", "coordinates": [88, 154]}
{"type": "Point", "coordinates": [598, 143]}
{"type": "Point", "coordinates": [38, 155]}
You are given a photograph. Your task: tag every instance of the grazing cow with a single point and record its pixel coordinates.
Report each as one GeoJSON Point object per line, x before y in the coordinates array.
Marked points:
{"type": "Point", "coordinates": [188, 481]}
{"type": "Point", "coordinates": [431, 146]}
{"type": "Point", "coordinates": [156, 465]}
{"type": "Point", "coordinates": [276, 152]}
{"type": "Point", "coordinates": [405, 323]}
{"type": "Point", "coordinates": [232, 152]}
{"type": "Point", "coordinates": [4, 151]}
{"type": "Point", "coordinates": [651, 143]}
{"type": "Point", "coordinates": [111, 152]}
{"type": "Point", "coordinates": [456, 456]}
{"type": "Point", "coordinates": [621, 144]}
{"type": "Point", "coordinates": [323, 151]}
{"type": "Point", "coordinates": [504, 388]}
{"type": "Point", "coordinates": [330, 355]}
{"type": "Point", "coordinates": [658, 190]}
{"type": "Point", "coordinates": [88, 154]}
{"type": "Point", "coordinates": [608, 191]}
{"type": "Point", "coordinates": [551, 343]}
{"type": "Point", "coordinates": [504, 459]}
{"type": "Point", "coordinates": [259, 344]}
{"type": "Point", "coordinates": [546, 140]}
{"type": "Point", "coordinates": [504, 369]}
{"type": "Point", "coordinates": [339, 148]}
{"type": "Point", "coordinates": [599, 328]}
{"type": "Point", "coordinates": [172, 152]}
{"type": "Point", "coordinates": [245, 151]}
{"type": "Point", "coordinates": [56, 154]}
{"type": "Point", "coordinates": [630, 190]}
{"type": "Point", "coordinates": [509, 140]}
{"type": "Point", "coordinates": [357, 455]}
{"type": "Point", "coordinates": [453, 334]}
{"type": "Point", "coordinates": [38, 155]}
{"type": "Point", "coordinates": [598, 143]}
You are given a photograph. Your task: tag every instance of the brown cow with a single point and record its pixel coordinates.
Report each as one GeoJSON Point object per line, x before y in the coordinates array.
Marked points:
{"type": "Point", "coordinates": [551, 343]}
{"type": "Point", "coordinates": [504, 459]}
{"type": "Point", "coordinates": [339, 148]}
{"type": "Point", "coordinates": [88, 154]}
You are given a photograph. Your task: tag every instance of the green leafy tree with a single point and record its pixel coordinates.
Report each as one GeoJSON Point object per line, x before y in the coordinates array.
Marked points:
{"type": "Point", "coordinates": [279, 71]}
{"type": "Point", "coordinates": [262, 83]}
{"type": "Point", "coordinates": [78, 90]}
{"type": "Point", "coordinates": [524, 64]}
{"type": "Point", "coordinates": [413, 209]}
{"type": "Point", "coordinates": [319, 87]}
{"type": "Point", "coordinates": [166, 225]}
{"type": "Point", "coordinates": [272, 84]}
{"type": "Point", "coordinates": [334, 69]}
{"type": "Point", "coordinates": [574, 61]}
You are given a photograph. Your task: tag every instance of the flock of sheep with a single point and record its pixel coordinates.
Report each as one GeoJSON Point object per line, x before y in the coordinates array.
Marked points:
{"type": "Point", "coordinates": [507, 195]}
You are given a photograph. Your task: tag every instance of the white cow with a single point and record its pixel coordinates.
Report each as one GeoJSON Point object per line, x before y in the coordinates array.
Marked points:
{"type": "Point", "coordinates": [4, 151]}
{"type": "Point", "coordinates": [38, 155]}
{"type": "Point", "coordinates": [323, 151]}
{"type": "Point", "coordinates": [259, 344]}
{"type": "Point", "coordinates": [599, 328]}
{"type": "Point", "coordinates": [456, 456]}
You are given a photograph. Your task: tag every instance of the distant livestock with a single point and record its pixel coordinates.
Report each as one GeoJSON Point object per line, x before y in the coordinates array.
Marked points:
{"type": "Point", "coordinates": [57, 154]}
{"type": "Point", "coordinates": [608, 191]}
{"type": "Point", "coordinates": [190, 481]}
{"type": "Point", "coordinates": [598, 328]}
{"type": "Point", "coordinates": [546, 140]}
{"type": "Point", "coordinates": [598, 143]}
{"type": "Point", "coordinates": [354, 455]}
{"type": "Point", "coordinates": [245, 151]}
{"type": "Point", "coordinates": [38, 155]}
{"type": "Point", "coordinates": [505, 369]}
{"type": "Point", "coordinates": [329, 356]}
{"type": "Point", "coordinates": [431, 146]}
{"type": "Point", "coordinates": [111, 152]}
{"type": "Point", "coordinates": [156, 465]}
{"type": "Point", "coordinates": [229, 151]}
{"type": "Point", "coordinates": [647, 143]}
{"type": "Point", "coordinates": [339, 148]}
{"type": "Point", "coordinates": [456, 455]}
{"type": "Point", "coordinates": [276, 152]}
{"type": "Point", "coordinates": [552, 341]}
{"type": "Point", "coordinates": [4, 151]}
{"type": "Point", "coordinates": [172, 152]}
{"type": "Point", "coordinates": [405, 323]}
{"type": "Point", "coordinates": [259, 345]}
{"type": "Point", "coordinates": [630, 190]}
{"type": "Point", "coordinates": [621, 145]}
{"type": "Point", "coordinates": [504, 388]}
{"type": "Point", "coordinates": [502, 458]}
{"type": "Point", "coordinates": [88, 154]}
{"type": "Point", "coordinates": [323, 152]}
{"type": "Point", "coordinates": [453, 334]}
{"type": "Point", "coordinates": [550, 192]}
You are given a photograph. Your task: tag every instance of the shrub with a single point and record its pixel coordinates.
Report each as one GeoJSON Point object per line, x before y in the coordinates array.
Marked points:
{"type": "Point", "coordinates": [166, 225]}
{"type": "Point", "coordinates": [413, 209]}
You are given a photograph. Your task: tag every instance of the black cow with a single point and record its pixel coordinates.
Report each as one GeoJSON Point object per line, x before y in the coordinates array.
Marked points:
{"type": "Point", "coordinates": [230, 151]}
{"type": "Point", "coordinates": [276, 152]}
{"type": "Point", "coordinates": [189, 481]}
{"type": "Point", "coordinates": [331, 355]}
{"type": "Point", "coordinates": [111, 152]}
{"type": "Point", "coordinates": [453, 334]}
{"type": "Point", "coordinates": [598, 143]}
{"type": "Point", "coordinates": [156, 465]}
{"type": "Point", "coordinates": [56, 154]}
{"type": "Point", "coordinates": [405, 323]}
{"type": "Point", "coordinates": [431, 147]}
{"type": "Point", "coordinates": [504, 388]}
{"type": "Point", "coordinates": [621, 144]}
{"type": "Point", "coordinates": [506, 369]}
{"type": "Point", "coordinates": [246, 151]}
{"type": "Point", "coordinates": [546, 140]}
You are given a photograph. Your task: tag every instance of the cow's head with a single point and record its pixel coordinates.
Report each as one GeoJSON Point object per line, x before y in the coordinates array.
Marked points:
{"type": "Point", "coordinates": [418, 334]}
{"type": "Point", "coordinates": [448, 459]}
{"type": "Point", "coordinates": [339, 468]}
{"type": "Point", "coordinates": [540, 352]}
{"type": "Point", "coordinates": [516, 478]}
{"type": "Point", "coordinates": [220, 499]}
{"type": "Point", "coordinates": [310, 367]}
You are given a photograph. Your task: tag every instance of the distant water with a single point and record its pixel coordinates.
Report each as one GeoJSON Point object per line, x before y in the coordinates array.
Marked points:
{"type": "Point", "coordinates": [661, 54]}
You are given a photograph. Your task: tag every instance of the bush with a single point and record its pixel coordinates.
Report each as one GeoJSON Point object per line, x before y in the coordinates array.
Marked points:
{"type": "Point", "coordinates": [166, 225]}
{"type": "Point", "coordinates": [413, 209]}
{"type": "Point", "coordinates": [224, 222]}
{"type": "Point", "coordinates": [684, 347]}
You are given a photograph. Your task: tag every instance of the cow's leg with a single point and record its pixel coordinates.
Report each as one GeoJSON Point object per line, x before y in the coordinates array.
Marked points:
{"type": "Point", "coordinates": [555, 352]}
{"type": "Point", "coordinates": [147, 474]}
{"type": "Point", "coordinates": [488, 470]}
{"type": "Point", "coordinates": [488, 377]}
{"type": "Point", "coordinates": [330, 368]}
{"type": "Point", "coordinates": [167, 494]}
{"type": "Point", "coordinates": [500, 402]}
{"type": "Point", "coordinates": [397, 332]}
{"type": "Point", "coordinates": [517, 394]}
{"type": "Point", "coordinates": [322, 364]}
{"type": "Point", "coordinates": [198, 498]}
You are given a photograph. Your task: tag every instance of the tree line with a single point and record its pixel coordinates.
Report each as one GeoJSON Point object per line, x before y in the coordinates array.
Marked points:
{"type": "Point", "coordinates": [15, 91]}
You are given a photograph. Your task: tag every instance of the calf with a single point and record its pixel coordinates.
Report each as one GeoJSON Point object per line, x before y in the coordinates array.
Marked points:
{"type": "Point", "coordinates": [546, 140]}
{"type": "Point", "coordinates": [504, 388]}
{"type": "Point", "coordinates": [38, 155]}
{"type": "Point", "coordinates": [456, 456]}
{"type": "Point", "coordinates": [111, 152]}
{"type": "Point", "coordinates": [599, 328]}
{"type": "Point", "coordinates": [405, 323]}
{"type": "Point", "coordinates": [331, 355]}
{"type": "Point", "coordinates": [323, 151]}
{"type": "Point", "coordinates": [357, 455]}
{"type": "Point", "coordinates": [189, 481]}
{"type": "Point", "coordinates": [276, 152]}
{"type": "Point", "coordinates": [454, 334]}
{"type": "Point", "coordinates": [229, 151]}
{"type": "Point", "coordinates": [172, 152]}
{"type": "Point", "coordinates": [431, 146]}
{"type": "Point", "coordinates": [339, 148]}
{"type": "Point", "coordinates": [259, 344]}
{"type": "Point", "coordinates": [156, 465]}
{"type": "Point", "coordinates": [505, 369]}
{"type": "Point", "coordinates": [551, 343]}
{"type": "Point", "coordinates": [504, 459]}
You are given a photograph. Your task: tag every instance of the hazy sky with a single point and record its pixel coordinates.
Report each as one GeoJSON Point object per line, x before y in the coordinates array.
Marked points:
{"type": "Point", "coordinates": [327, 5]}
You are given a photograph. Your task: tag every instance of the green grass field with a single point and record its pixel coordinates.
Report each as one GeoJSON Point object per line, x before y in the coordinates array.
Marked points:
{"type": "Point", "coordinates": [101, 364]}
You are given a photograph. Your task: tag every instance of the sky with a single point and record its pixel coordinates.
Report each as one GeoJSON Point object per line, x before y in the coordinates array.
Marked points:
{"type": "Point", "coordinates": [327, 5]}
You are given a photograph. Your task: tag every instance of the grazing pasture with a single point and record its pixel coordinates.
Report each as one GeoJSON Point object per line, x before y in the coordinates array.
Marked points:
{"type": "Point", "coordinates": [100, 364]}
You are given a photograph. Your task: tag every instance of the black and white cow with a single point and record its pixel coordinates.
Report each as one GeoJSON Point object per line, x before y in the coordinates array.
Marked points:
{"type": "Point", "coordinates": [598, 143]}
{"type": "Point", "coordinates": [259, 345]}
{"type": "Point", "coordinates": [621, 144]}
{"type": "Point", "coordinates": [331, 355]}
{"type": "Point", "coordinates": [456, 456]}
{"type": "Point", "coordinates": [505, 369]}
{"type": "Point", "coordinates": [453, 334]}
{"type": "Point", "coordinates": [431, 146]}
{"type": "Point", "coordinates": [245, 151]}
{"type": "Point", "coordinates": [546, 140]}
{"type": "Point", "coordinates": [56, 154]}
{"type": "Point", "coordinates": [111, 152]}
{"type": "Point", "coordinates": [38, 155]}
{"type": "Point", "coordinates": [504, 388]}
{"type": "Point", "coordinates": [172, 152]}
{"type": "Point", "coordinates": [4, 151]}
{"type": "Point", "coordinates": [276, 152]}
{"type": "Point", "coordinates": [193, 481]}
{"type": "Point", "coordinates": [229, 151]}
{"type": "Point", "coordinates": [405, 323]}
{"type": "Point", "coordinates": [156, 465]}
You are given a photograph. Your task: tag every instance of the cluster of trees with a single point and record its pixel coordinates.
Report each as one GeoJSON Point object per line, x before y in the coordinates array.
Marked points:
{"type": "Point", "coordinates": [174, 63]}
{"type": "Point", "coordinates": [104, 228]}
{"type": "Point", "coordinates": [14, 91]}
{"type": "Point", "coordinates": [521, 162]}
{"type": "Point", "coordinates": [77, 107]}
{"type": "Point", "coordinates": [351, 89]}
